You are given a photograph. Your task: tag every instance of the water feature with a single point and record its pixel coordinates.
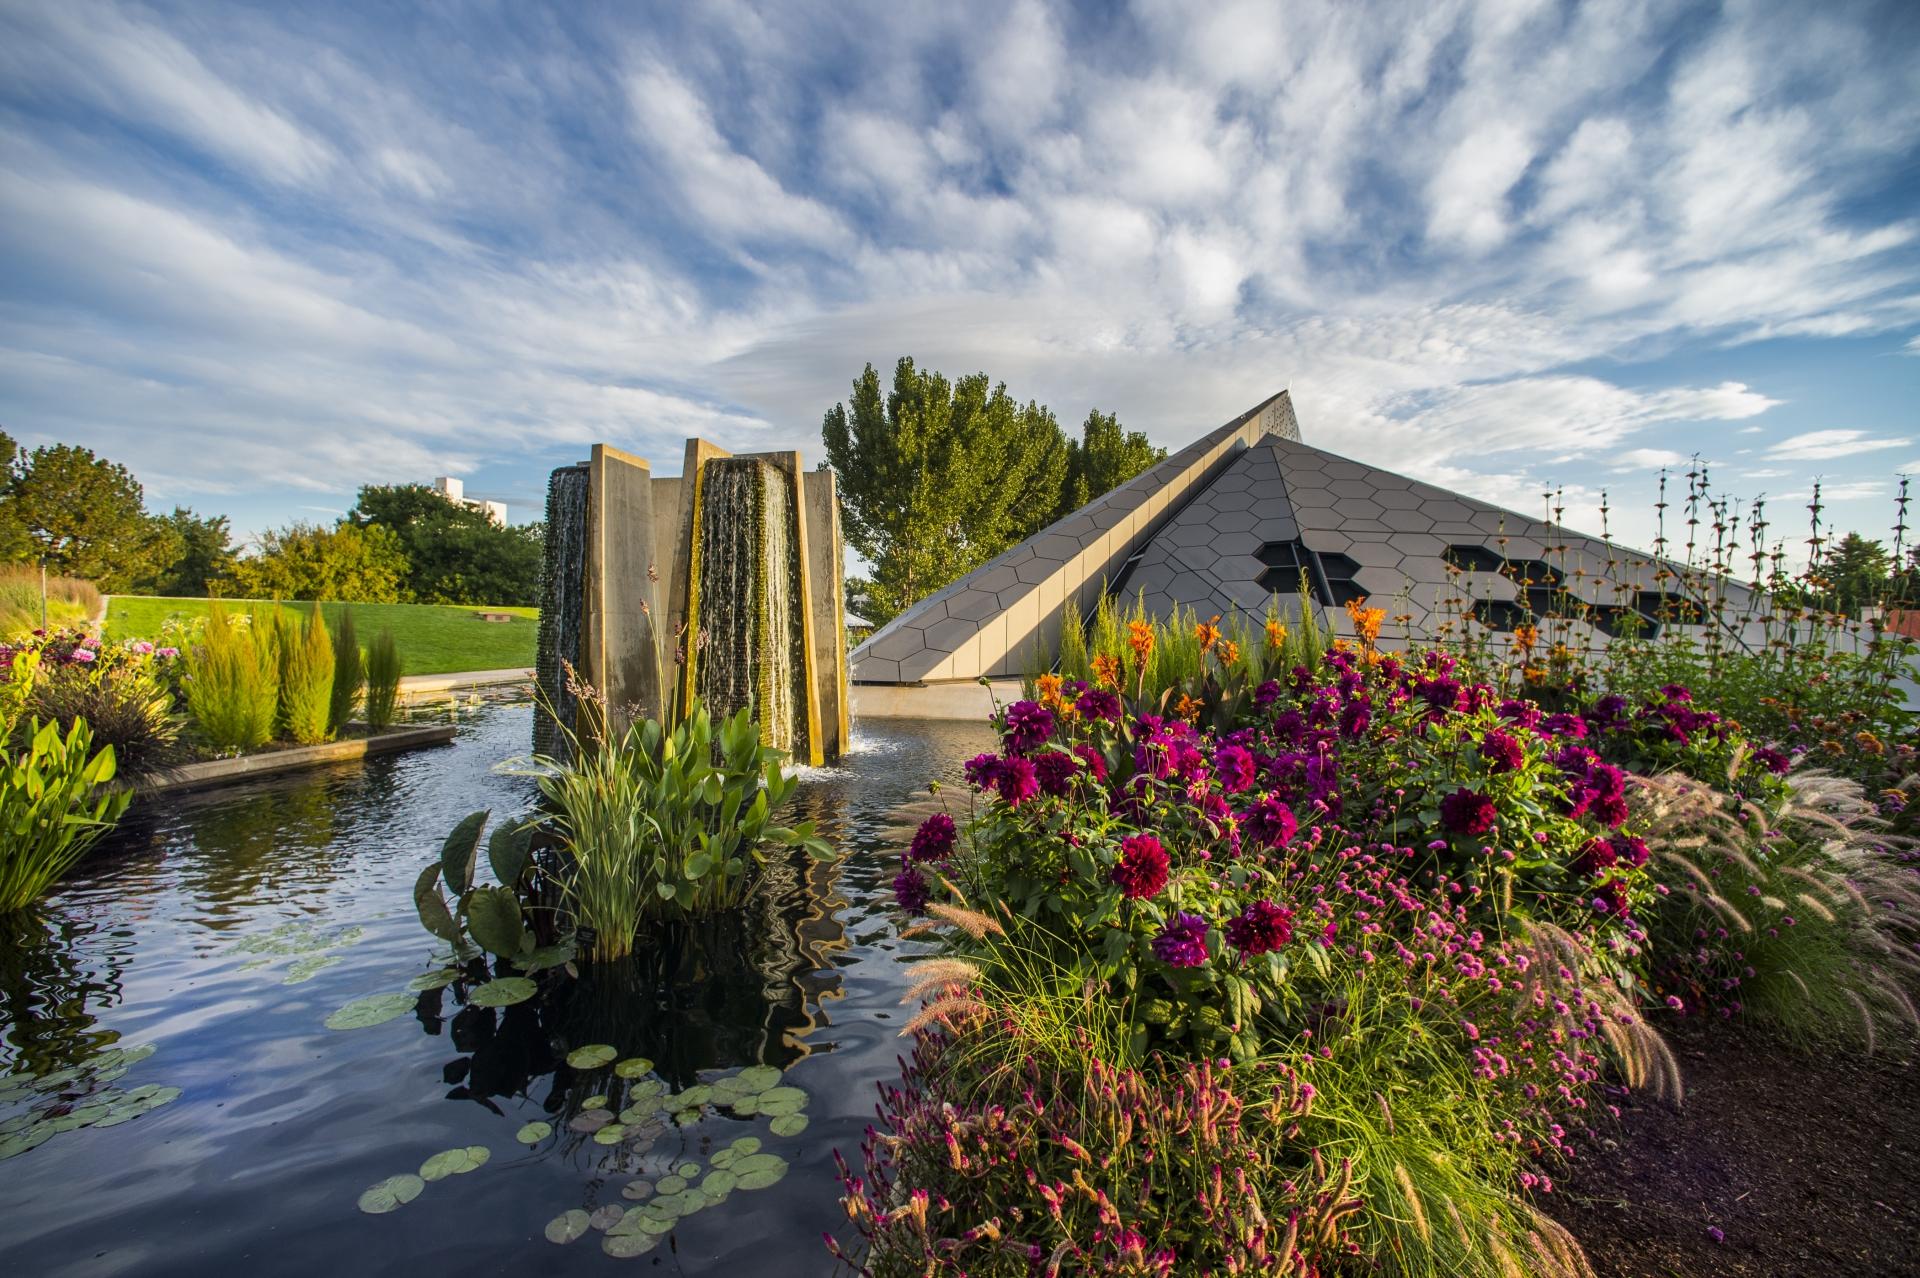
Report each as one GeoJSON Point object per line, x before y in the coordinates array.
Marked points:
{"type": "Point", "coordinates": [223, 929]}
{"type": "Point", "coordinates": [562, 587]}
{"type": "Point", "coordinates": [751, 645]}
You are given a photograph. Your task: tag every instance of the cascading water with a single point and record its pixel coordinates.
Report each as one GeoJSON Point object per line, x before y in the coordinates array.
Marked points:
{"type": "Point", "coordinates": [562, 596]}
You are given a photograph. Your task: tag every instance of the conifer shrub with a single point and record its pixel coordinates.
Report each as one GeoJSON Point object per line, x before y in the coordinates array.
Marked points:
{"type": "Point", "coordinates": [233, 681]}
{"type": "Point", "coordinates": [305, 653]}
{"type": "Point", "coordinates": [349, 672]}
{"type": "Point", "coordinates": [383, 680]}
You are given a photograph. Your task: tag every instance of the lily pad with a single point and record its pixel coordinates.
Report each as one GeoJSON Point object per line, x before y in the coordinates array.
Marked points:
{"type": "Point", "coordinates": [606, 1216]}
{"type": "Point", "coordinates": [627, 1246]}
{"type": "Point", "coordinates": [788, 1125]}
{"type": "Point", "coordinates": [455, 1162]}
{"type": "Point", "coordinates": [302, 970]}
{"type": "Point", "coordinates": [611, 1134]}
{"type": "Point", "coordinates": [745, 1145]}
{"type": "Point", "coordinates": [592, 1056]}
{"type": "Point", "coordinates": [687, 1170]}
{"type": "Point", "coordinates": [504, 992]}
{"type": "Point", "coordinates": [438, 979]}
{"type": "Point", "coordinates": [20, 1142]}
{"type": "Point", "coordinates": [686, 1118]}
{"type": "Point", "coordinates": [759, 1077]}
{"type": "Point", "coordinates": [757, 1171]}
{"type": "Point", "coordinates": [533, 1133]}
{"type": "Point", "coordinates": [637, 1190]}
{"type": "Point", "coordinates": [545, 957]}
{"type": "Point", "coordinates": [375, 1009]}
{"type": "Point", "coordinates": [670, 1185]}
{"type": "Point", "coordinates": [594, 1102]}
{"type": "Point", "coordinates": [567, 1226]}
{"type": "Point", "coordinates": [638, 1113]}
{"type": "Point", "coordinates": [694, 1097]}
{"type": "Point", "coordinates": [390, 1193]}
{"type": "Point", "coordinates": [719, 1183]}
{"type": "Point", "coordinates": [634, 1067]}
{"type": "Point", "coordinates": [589, 1122]}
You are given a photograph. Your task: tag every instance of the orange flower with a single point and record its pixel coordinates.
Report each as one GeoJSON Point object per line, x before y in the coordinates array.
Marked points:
{"type": "Point", "coordinates": [1229, 652]}
{"type": "Point", "coordinates": [1366, 621]}
{"type": "Point", "coordinates": [1208, 633]}
{"type": "Point", "coordinates": [1524, 637]}
{"type": "Point", "coordinates": [1050, 691]}
{"type": "Point", "coordinates": [1106, 671]}
{"type": "Point", "coordinates": [1870, 743]}
{"type": "Point", "coordinates": [1276, 635]}
{"type": "Point", "coordinates": [1187, 708]}
{"type": "Point", "coordinates": [1140, 639]}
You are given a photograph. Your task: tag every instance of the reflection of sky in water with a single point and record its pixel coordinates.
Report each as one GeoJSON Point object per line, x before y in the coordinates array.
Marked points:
{"type": "Point", "coordinates": [160, 938]}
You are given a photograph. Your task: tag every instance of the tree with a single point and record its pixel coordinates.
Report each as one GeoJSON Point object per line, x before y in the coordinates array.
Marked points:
{"type": "Point", "coordinates": [1104, 458]}
{"type": "Point", "coordinates": [1856, 572]}
{"type": "Point", "coordinates": [205, 556]}
{"type": "Point", "coordinates": [939, 477]}
{"type": "Point", "coordinates": [455, 553]}
{"type": "Point", "coordinates": [345, 562]}
{"type": "Point", "coordinates": [83, 515]}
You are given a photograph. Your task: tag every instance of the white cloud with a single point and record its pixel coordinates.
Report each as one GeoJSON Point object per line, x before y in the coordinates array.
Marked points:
{"type": "Point", "coordinates": [1468, 195]}
{"type": "Point", "coordinates": [1822, 445]}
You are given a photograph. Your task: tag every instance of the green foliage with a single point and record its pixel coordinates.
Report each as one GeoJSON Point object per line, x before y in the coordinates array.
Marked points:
{"type": "Point", "coordinates": [383, 680]}
{"type": "Point", "coordinates": [83, 515]}
{"type": "Point", "coordinates": [70, 602]}
{"type": "Point", "coordinates": [1855, 572]}
{"type": "Point", "coordinates": [656, 824]}
{"type": "Point", "coordinates": [486, 917]}
{"type": "Point", "coordinates": [203, 557]}
{"type": "Point", "coordinates": [345, 562]}
{"type": "Point", "coordinates": [1074, 659]}
{"type": "Point", "coordinates": [455, 554]}
{"type": "Point", "coordinates": [56, 797]}
{"type": "Point", "coordinates": [349, 672]}
{"type": "Point", "coordinates": [305, 653]}
{"type": "Point", "coordinates": [120, 694]}
{"type": "Point", "coordinates": [938, 477]}
{"type": "Point", "coordinates": [233, 681]}
{"type": "Point", "coordinates": [1103, 458]}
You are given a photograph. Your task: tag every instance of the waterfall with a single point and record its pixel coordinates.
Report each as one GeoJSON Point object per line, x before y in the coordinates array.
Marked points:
{"type": "Point", "coordinates": [562, 598]}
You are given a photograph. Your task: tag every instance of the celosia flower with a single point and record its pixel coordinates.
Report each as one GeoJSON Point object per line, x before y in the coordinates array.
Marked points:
{"type": "Point", "coordinates": [1143, 867]}
{"type": "Point", "coordinates": [1468, 812]}
{"type": "Point", "coordinates": [1055, 772]}
{"type": "Point", "coordinates": [1261, 927]}
{"type": "Point", "coordinates": [911, 890]}
{"type": "Point", "coordinates": [1017, 781]}
{"type": "Point", "coordinates": [1183, 942]}
{"type": "Point", "coordinates": [1234, 766]}
{"type": "Point", "coordinates": [933, 841]}
{"type": "Point", "coordinates": [1029, 724]}
{"type": "Point", "coordinates": [1502, 751]}
{"type": "Point", "coordinates": [1098, 703]}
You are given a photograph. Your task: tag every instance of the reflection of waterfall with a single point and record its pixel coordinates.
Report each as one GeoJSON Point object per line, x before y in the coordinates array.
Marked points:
{"type": "Point", "coordinates": [563, 582]}
{"type": "Point", "coordinates": [751, 645]}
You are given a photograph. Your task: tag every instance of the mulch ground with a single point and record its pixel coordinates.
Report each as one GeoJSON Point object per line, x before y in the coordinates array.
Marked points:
{"type": "Point", "coordinates": [1807, 1163]}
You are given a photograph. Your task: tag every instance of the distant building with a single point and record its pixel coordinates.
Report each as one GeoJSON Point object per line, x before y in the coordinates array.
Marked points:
{"type": "Point", "coordinates": [456, 492]}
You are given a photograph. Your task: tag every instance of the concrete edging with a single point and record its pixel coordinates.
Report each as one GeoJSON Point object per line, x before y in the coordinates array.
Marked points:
{"type": "Point", "coordinates": [412, 686]}
{"type": "Point", "coordinates": [214, 772]}
{"type": "Point", "coordinates": [962, 700]}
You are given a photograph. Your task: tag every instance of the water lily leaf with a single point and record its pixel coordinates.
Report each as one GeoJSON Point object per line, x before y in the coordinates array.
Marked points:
{"type": "Point", "coordinates": [753, 1173]}
{"type": "Point", "coordinates": [594, 1102]}
{"type": "Point", "coordinates": [611, 1134]}
{"type": "Point", "coordinates": [634, 1067]}
{"type": "Point", "coordinates": [744, 1146]}
{"type": "Point", "coordinates": [438, 979]}
{"type": "Point", "coordinates": [671, 1185]}
{"type": "Point", "coordinates": [545, 957]}
{"type": "Point", "coordinates": [782, 1095]}
{"type": "Point", "coordinates": [686, 1118]}
{"type": "Point", "coordinates": [375, 1009]}
{"type": "Point", "coordinates": [477, 1156]}
{"type": "Point", "coordinates": [504, 992]}
{"type": "Point", "coordinates": [567, 1226]}
{"type": "Point", "coordinates": [20, 1142]}
{"type": "Point", "coordinates": [592, 1056]}
{"type": "Point", "coordinates": [14, 1124]}
{"type": "Point", "coordinates": [591, 1121]}
{"type": "Point", "coordinates": [606, 1216]}
{"type": "Point", "coordinates": [390, 1193]}
{"type": "Point", "coordinates": [457, 854]}
{"type": "Point", "coordinates": [745, 1106]}
{"type": "Point", "coordinates": [444, 1164]}
{"type": "Point", "coordinates": [306, 969]}
{"type": "Point", "coordinates": [722, 1158]}
{"type": "Point", "coordinates": [627, 1246]}
{"type": "Point", "coordinates": [758, 1077]}
{"type": "Point", "coordinates": [719, 1183]}
{"type": "Point", "coordinates": [788, 1125]}
{"type": "Point", "coordinates": [493, 920]}
{"type": "Point", "coordinates": [687, 1170]}
{"type": "Point", "coordinates": [637, 1190]}
{"type": "Point", "coordinates": [695, 1096]}
{"type": "Point", "coordinates": [533, 1133]}
{"type": "Point", "coordinates": [638, 1113]}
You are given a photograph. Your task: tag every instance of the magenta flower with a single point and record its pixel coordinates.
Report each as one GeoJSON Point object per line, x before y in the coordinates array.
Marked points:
{"type": "Point", "coordinates": [1055, 772]}
{"type": "Point", "coordinates": [1143, 867]}
{"type": "Point", "coordinates": [1468, 812]}
{"type": "Point", "coordinates": [911, 890]}
{"type": "Point", "coordinates": [933, 841]}
{"type": "Point", "coordinates": [1260, 928]}
{"type": "Point", "coordinates": [167, 654]}
{"type": "Point", "coordinates": [1595, 856]}
{"type": "Point", "coordinates": [983, 771]}
{"type": "Point", "coordinates": [1234, 766]}
{"type": "Point", "coordinates": [1502, 751]}
{"type": "Point", "coordinates": [1098, 703]}
{"type": "Point", "coordinates": [1269, 823]}
{"type": "Point", "coordinates": [1029, 724]}
{"type": "Point", "coordinates": [1183, 942]}
{"type": "Point", "coordinates": [1017, 781]}
{"type": "Point", "coordinates": [83, 656]}
{"type": "Point", "coordinates": [1092, 758]}
{"type": "Point", "coordinates": [1772, 760]}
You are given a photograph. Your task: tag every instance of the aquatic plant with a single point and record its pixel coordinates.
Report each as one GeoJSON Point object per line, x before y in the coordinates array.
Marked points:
{"type": "Point", "coordinates": [383, 680]}
{"type": "Point", "coordinates": [56, 796]}
{"type": "Point", "coordinates": [349, 673]}
{"type": "Point", "coordinates": [306, 661]}
{"type": "Point", "coordinates": [489, 918]}
{"type": "Point", "coordinates": [232, 682]}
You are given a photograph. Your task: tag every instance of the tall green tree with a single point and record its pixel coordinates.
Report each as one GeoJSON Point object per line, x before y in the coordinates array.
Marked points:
{"type": "Point", "coordinates": [455, 553]}
{"type": "Point", "coordinates": [345, 562]}
{"type": "Point", "coordinates": [82, 514]}
{"type": "Point", "coordinates": [205, 556]}
{"type": "Point", "coordinates": [1856, 572]}
{"type": "Point", "coordinates": [938, 477]}
{"type": "Point", "coordinates": [1102, 459]}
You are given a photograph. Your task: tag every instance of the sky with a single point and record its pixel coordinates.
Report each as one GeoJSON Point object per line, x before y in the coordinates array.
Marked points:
{"type": "Point", "coordinates": [264, 254]}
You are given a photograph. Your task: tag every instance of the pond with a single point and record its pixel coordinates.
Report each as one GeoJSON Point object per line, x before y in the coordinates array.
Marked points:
{"type": "Point", "coordinates": [221, 931]}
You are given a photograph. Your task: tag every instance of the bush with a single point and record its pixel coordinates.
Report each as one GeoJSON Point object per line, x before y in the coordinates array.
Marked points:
{"type": "Point", "coordinates": [305, 561]}
{"type": "Point", "coordinates": [121, 691]}
{"type": "Point", "coordinates": [232, 681]}
{"type": "Point", "coordinates": [305, 656]}
{"type": "Point", "coordinates": [55, 794]}
{"type": "Point", "coordinates": [70, 601]}
{"type": "Point", "coordinates": [349, 673]}
{"type": "Point", "coordinates": [383, 680]}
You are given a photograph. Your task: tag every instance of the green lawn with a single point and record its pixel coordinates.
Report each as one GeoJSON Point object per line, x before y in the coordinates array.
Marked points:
{"type": "Point", "coordinates": [433, 638]}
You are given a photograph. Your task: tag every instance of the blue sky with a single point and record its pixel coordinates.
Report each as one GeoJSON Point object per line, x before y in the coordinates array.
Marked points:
{"type": "Point", "coordinates": [264, 254]}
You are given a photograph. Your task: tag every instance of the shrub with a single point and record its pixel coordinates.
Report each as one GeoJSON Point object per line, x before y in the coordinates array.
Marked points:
{"type": "Point", "coordinates": [383, 680]}
{"type": "Point", "coordinates": [232, 681]}
{"type": "Point", "coordinates": [305, 561]}
{"type": "Point", "coordinates": [349, 672]}
{"type": "Point", "coordinates": [305, 655]}
{"type": "Point", "coordinates": [120, 690]}
{"type": "Point", "coordinates": [70, 601]}
{"type": "Point", "coordinates": [56, 799]}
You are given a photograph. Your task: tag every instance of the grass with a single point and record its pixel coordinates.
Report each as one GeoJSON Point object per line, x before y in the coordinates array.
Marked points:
{"type": "Point", "coordinates": [432, 638]}
{"type": "Point", "coordinates": [69, 602]}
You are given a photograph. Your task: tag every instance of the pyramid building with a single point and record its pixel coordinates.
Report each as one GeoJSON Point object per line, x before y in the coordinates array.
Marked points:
{"type": "Point", "coordinates": [1249, 513]}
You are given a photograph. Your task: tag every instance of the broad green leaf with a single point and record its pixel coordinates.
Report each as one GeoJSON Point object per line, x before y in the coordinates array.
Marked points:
{"type": "Point", "coordinates": [788, 1125]}
{"type": "Point", "coordinates": [493, 918]}
{"type": "Point", "coordinates": [592, 1056]}
{"type": "Point", "coordinates": [533, 1133]}
{"type": "Point", "coordinates": [568, 1226]}
{"type": "Point", "coordinates": [457, 854]}
{"type": "Point", "coordinates": [377, 1200]}
{"type": "Point", "coordinates": [504, 992]}
{"type": "Point", "coordinates": [508, 852]}
{"type": "Point", "coordinates": [634, 1067]}
{"type": "Point", "coordinates": [432, 907]}
{"type": "Point", "coordinates": [375, 1009]}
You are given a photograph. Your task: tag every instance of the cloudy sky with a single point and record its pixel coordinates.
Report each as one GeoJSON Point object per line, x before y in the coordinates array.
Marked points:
{"type": "Point", "coordinates": [266, 253]}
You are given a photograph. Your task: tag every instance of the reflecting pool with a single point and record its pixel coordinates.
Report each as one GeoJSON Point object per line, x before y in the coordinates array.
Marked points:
{"type": "Point", "coordinates": [222, 930]}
